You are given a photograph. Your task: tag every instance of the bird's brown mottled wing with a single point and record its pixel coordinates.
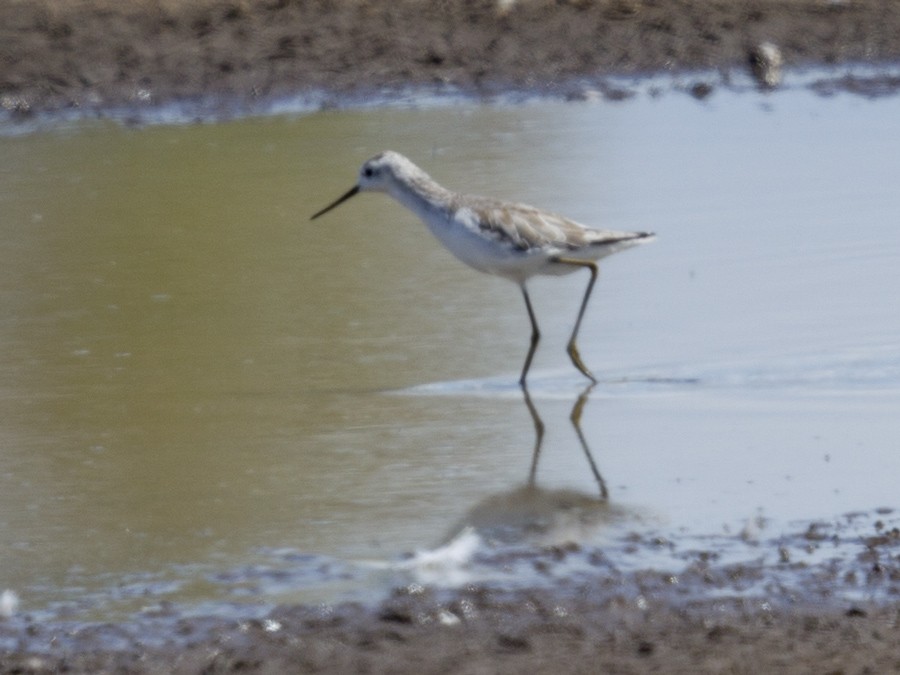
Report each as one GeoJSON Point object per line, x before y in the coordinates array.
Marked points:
{"type": "Point", "coordinates": [524, 228]}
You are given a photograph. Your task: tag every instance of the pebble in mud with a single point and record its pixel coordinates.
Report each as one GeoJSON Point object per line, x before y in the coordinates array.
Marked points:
{"type": "Point", "coordinates": [766, 61]}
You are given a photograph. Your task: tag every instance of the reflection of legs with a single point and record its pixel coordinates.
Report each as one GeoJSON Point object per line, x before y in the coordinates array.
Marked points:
{"type": "Point", "coordinates": [575, 417]}
{"type": "Point", "coordinates": [535, 337]}
{"type": "Point", "coordinates": [576, 422]}
{"type": "Point", "coordinates": [538, 434]}
{"type": "Point", "coordinates": [572, 348]}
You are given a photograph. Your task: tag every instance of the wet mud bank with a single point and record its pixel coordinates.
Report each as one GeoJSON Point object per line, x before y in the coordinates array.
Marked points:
{"type": "Point", "coordinates": [819, 599]}
{"type": "Point", "coordinates": [532, 633]}
{"type": "Point", "coordinates": [96, 55]}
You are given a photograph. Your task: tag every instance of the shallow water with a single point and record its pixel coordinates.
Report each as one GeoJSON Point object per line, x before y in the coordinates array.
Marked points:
{"type": "Point", "coordinates": [206, 399]}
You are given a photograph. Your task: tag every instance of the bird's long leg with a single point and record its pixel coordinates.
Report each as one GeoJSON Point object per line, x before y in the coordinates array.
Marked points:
{"type": "Point", "coordinates": [572, 348]}
{"type": "Point", "coordinates": [535, 336]}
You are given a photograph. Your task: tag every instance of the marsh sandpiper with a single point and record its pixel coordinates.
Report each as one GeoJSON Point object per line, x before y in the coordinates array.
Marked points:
{"type": "Point", "coordinates": [510, 240]}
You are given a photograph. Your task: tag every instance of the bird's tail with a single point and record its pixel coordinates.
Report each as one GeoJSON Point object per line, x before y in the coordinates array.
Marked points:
{"type": "Point", "coordinates": [611, 242]}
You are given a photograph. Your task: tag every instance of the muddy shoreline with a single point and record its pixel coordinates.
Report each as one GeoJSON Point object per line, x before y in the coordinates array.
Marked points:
{"type": "Point", "coordinates": [820, 599]}
{"type": "Point", "coordinates": [96, 55]}
{"type": "Point", "coordinates": [533, 633]}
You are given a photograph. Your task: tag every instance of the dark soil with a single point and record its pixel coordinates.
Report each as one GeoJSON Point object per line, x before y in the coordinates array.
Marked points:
{"type": "Point", "coordinates": [529, 634]}
{"type": "Point", "coordinates": [97, 54]}
{"type": "Point", "coordinates": [533, 635]}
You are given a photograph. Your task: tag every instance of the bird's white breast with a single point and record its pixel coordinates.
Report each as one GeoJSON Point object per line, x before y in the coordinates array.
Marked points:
{"type": "Point", "coordinates": [460, 233]}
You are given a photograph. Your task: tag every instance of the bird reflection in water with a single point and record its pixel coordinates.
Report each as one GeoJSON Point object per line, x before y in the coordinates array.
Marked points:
{"type": "Point", "coordinates": [530, 514]}
{"type": "Point", "coordinates": [575, 418]}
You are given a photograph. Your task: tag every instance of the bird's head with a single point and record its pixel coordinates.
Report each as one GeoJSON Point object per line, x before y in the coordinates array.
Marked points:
{"type": "Point", "coordinates": [378, 174]}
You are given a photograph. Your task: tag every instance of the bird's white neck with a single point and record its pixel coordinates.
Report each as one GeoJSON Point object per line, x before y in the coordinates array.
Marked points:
{"type": "Point", "coordinates": [422, 196]}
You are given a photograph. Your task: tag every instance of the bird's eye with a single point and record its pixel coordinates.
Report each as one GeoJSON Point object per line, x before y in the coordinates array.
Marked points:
{"type": "Point", "coordinates": [368, 172]}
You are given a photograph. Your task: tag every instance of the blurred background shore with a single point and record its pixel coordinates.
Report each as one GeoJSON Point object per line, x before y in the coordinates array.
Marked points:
{"type": "Point", "coordinates": [61, 54]}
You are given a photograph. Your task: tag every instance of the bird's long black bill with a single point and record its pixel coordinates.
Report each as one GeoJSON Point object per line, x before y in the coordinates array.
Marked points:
{"type": "Point", "coordinates": [337, 202]}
